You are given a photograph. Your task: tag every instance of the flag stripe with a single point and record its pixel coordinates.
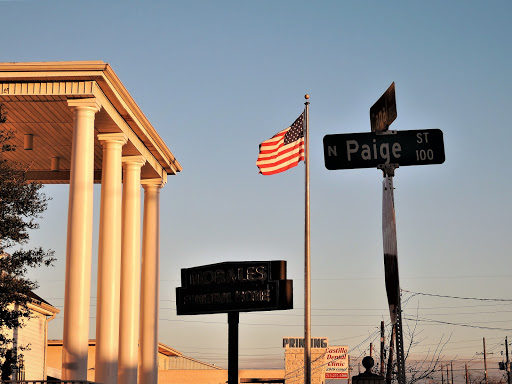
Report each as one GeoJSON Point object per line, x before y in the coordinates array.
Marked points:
{"type": "Point", "coordinates": [283, 162]}
{"type": "Point", "coordinates": [282, 151]}
{"type": "Point", "coordinates": [281, 168]}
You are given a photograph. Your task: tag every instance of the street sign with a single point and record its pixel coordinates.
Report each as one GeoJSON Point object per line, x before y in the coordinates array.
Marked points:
{"type": "Point", "coordinates": [383, 112]}
{"type": "Point", "coordinates": [369, 150]}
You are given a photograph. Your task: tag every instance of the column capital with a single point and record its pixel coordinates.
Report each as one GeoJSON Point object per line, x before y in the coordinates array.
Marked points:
{"type": "Point", "coordinates": [148, 183]}
{"type": "Point", "coordinates": [89, 103]}
{"type": "Point", "coordinates": [118, 137]}
{"type": "Point", "coordinates": [133, 160]}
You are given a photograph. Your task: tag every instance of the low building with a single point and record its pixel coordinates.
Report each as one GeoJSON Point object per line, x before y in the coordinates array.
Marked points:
{"type": "Point", "coordinates": [168, 360]}
{"type": "Point", "coordinates": [33, 336]}
{"type": "Point", "coordinates": [173, 368]}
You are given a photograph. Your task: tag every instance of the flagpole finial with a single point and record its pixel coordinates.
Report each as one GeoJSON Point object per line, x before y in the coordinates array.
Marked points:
{"type": "Point", "coordinates": [306, 96]}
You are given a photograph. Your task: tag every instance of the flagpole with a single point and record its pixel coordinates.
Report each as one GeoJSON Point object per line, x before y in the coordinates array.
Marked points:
{"type": "Point", "coordinates": [307, 259]}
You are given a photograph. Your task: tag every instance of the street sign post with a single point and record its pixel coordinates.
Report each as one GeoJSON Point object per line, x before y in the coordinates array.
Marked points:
{"type": "Point", "coordinates": [387, 150]}
{"type": "Point", "coordinates": [371, 150]}
{"type": "Point", "coordinates": [234, 287]}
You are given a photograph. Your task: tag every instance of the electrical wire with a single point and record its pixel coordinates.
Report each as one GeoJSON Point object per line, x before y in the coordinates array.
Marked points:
{"type": "Point", "coordinates": [457, 324]}
{"type": "Point", "coordinates": [456, 297]}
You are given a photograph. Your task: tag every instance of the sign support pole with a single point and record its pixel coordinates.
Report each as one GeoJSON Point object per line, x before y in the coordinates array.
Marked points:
{"type": "Point", "coordinates": [389, 371]}
{"type": "Point", "coordinates": [233, 320]}
{"type": "Point", "coordinates": [400, 343]}
{"type": "Point", "coordinates": [508, 362]}
{"type": "Point", "coordinates": [390, 251]}
{"type": "Point", "coordinates": [307, 258]}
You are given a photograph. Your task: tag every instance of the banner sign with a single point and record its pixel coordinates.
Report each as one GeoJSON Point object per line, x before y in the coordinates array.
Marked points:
{"type": "Point", "coordinates": [234, 287]}
{"type": "Point", "coordinates": [298, 342]}
{"type": "Point", "coordinates": [336, 362]}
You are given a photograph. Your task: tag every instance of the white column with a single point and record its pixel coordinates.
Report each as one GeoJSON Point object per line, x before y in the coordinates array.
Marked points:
{"type": "Point", "coordinates": [79, 241]}
{"type": "Point", "coordinates": [150, 290]}
{"type": "Point", "coordinates": [130, 271]}
{"type": "Point", "coordinates": [109, 260]}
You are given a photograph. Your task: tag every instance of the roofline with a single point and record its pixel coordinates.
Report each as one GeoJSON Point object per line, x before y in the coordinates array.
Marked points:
{"type": "Point", "coordinates": [39, 66]}
{"type": "Point", "coordinates": [203, 363]}
{"type": "Point", "coordinates": [108, 81]}
{"type": "Point", "coordinates": [162, 348]}
{"type": "Point", "coordinates": [168, 351]}
{"type": "Point", "coordinates": [43, 308]}
{"type": "Point", "coordinates": [58, 342]}
{"type": "Point", "coordinates": [40, 305]}
{"type": "Point", "coordinates": [116, 82]}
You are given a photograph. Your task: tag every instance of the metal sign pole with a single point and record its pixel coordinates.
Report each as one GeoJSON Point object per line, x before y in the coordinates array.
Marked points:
{"type": "Point", "coordinates": [389, 371]}
{"type": "Point", "coordinates": [391, 265]}
{"type": "Point", "coordinates": [400, 359]}
{"type": "Point", "coordinates": [233, 320]}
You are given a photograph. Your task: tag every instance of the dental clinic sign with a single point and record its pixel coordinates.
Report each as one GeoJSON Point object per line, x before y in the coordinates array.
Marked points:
{"type": "Point", "coordinates": [234, 287]}
{"type": "Point", "coordinates": [336, 362]}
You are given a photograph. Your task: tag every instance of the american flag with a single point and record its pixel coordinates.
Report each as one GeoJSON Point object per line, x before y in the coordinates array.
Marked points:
{"type": "Point", "coordinates": [284, 150]}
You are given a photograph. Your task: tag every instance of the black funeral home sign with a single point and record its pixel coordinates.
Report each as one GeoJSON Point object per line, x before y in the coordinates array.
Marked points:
{"type": "Point", "coordinates": [234, 287]}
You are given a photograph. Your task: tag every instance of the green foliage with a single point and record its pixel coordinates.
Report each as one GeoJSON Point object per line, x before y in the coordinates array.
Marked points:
{"type": "Point", "coordinates": [21, 203]}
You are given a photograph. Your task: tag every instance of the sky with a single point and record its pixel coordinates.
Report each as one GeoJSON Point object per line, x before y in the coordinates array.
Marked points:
{"type": "Point", "coordinates": [216, 78]}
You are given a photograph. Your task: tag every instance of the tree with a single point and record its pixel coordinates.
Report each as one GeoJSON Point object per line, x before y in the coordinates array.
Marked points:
{"type": "Point", "coordinates": [21, 203]}
{"type": "Point", "coordinates": [422, 368]}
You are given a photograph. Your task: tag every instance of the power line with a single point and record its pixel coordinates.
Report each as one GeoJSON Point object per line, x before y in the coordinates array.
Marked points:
{"type": "Point", "coordinates": [457, 324]}
{"type": "Point", "coordinates": [456, 297]}
{"type": "Point", "coordinates": [269, 324]}
{"type": "Point", "coordinates": [457, 313]}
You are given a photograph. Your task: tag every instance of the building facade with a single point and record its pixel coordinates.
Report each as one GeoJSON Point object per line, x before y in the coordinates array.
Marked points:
{"type": "Point", "coordinates": [76, 124]}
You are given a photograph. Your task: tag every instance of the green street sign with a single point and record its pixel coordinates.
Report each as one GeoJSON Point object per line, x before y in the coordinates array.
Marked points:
{"type": "Point", "coordinates": [371, 150]}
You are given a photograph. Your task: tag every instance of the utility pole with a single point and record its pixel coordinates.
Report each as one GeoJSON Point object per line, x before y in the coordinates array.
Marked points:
{"type": "Point", "coordinates": [442, 374]}
{"type": "Point", "coordinates": [508, 363]}
{"type": "Point", "coordinates": [467, 374]}
{"type": "Point", "coordinates": [349, 370]}
{"type": "Point", "coordinates": [451, 367]}
{"type": "Point", "coordinates": [447, 377]}
{"type": "Point", "coordinates": [389, 372]}
{"type": "Point", "coordinates": [485, 364]}
{"type": "Point", "coordinates": [382, 349]}
{"type": "Point", "coordinates": [371, 354]}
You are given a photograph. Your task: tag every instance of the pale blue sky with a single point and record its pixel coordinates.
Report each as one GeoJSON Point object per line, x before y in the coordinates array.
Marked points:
{"type": "Point", "coordinates": [215, 78]}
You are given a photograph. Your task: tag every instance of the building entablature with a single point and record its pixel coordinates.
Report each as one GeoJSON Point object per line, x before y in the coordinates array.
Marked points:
{"type": "Point", "coordinates": [39, 101]}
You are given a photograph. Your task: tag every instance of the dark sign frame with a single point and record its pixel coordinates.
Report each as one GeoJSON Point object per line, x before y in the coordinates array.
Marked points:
{"type": "Point", "coordinates": [234, 287]}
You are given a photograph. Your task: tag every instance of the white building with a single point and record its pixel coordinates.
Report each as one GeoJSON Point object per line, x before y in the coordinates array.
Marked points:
{"type": "Point", "coordinates": [77, 124]}
{"type": "Point", "coordinates": [33, 335]}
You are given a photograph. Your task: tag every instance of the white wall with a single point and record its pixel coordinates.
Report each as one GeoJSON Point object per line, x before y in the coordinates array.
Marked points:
{"type": "Point", "coordinates": [33, 334]}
